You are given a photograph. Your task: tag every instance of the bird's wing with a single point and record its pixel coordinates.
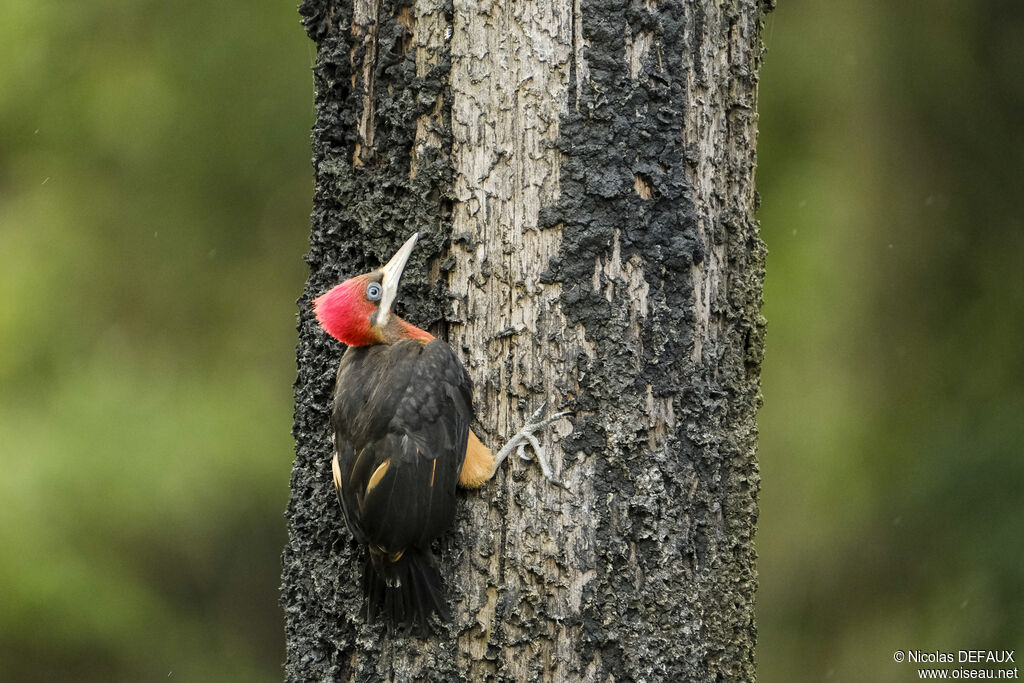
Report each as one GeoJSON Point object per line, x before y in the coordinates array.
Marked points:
{"type": "Point", "coordinates": [407, 422]}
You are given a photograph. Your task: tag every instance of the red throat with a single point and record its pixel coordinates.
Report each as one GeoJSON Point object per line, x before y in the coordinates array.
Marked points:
{"type": "Point", "coordinates": [412, 332]}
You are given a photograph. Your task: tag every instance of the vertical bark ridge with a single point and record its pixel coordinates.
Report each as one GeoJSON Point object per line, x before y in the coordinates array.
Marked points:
{"type": "Point", "coordinates": [510, 74]}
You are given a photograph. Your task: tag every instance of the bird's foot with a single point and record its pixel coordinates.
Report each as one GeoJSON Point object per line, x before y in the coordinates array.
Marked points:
{"type": "Point", "coordinates": [526, 437]}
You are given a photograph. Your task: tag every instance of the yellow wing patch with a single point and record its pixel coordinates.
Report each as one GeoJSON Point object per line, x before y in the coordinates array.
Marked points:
{"type": "Point", "coordinates": [377, 475]}
{"type": "Point", "coordinates": [336, 471]}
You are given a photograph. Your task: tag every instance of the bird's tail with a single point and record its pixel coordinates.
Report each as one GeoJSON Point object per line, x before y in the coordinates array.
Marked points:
{"type": "Point", "coordinates": [407, 589]}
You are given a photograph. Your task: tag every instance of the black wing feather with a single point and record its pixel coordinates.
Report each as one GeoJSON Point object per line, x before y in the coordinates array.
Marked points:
{"type": "Point", "coordinates": [408, 404]}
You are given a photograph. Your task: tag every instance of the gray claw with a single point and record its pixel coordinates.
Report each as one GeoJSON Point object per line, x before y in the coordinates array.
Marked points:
{"type": "Point", "coordinates": [526, 436]}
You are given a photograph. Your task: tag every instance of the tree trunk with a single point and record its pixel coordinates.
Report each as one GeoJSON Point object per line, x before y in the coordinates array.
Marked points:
{"type": "Point", "coordinates": [581, 173]}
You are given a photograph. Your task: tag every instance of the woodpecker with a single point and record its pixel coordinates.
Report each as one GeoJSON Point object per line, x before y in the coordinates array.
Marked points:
{"type": "Point", "coordinates": [401, 421]}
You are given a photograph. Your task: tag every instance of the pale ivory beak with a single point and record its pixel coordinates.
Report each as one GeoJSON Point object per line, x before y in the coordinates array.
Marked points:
{"type": "Point", "coordinates": [392, 274]}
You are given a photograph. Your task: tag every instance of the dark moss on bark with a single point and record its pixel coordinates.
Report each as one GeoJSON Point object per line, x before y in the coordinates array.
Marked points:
{"type": "Point", "coordinates": [361, 214]}
{"type": "Point", "coordinates": [685, 515]}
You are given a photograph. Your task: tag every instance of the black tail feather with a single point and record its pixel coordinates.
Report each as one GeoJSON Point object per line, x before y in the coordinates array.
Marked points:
{"type": "Point", "coordinates": [407, 590]}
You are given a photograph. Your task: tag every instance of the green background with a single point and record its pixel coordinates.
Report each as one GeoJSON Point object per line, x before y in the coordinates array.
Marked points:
{"type": "Point", "coordinates": [155, 187]}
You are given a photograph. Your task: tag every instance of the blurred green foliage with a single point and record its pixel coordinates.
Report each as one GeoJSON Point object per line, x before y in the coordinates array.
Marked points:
{"type": "Point", "coordinates": [154, 198]}
{"type": "Point", "coordinates": [892, 432]}
{"type": "Point", "coordinates": [154, 193]}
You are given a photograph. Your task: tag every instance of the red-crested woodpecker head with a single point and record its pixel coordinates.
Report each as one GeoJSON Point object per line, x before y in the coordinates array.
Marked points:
{"type": "Point", "coordinates": [358, 311]}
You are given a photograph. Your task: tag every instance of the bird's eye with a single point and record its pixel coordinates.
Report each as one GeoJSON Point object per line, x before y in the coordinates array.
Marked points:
{"type": "Point", "coordinates": [373, 292]}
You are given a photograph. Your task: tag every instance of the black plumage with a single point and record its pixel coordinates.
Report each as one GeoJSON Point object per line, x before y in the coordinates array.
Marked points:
{"type": "Point", "coordinates": [401, 420]}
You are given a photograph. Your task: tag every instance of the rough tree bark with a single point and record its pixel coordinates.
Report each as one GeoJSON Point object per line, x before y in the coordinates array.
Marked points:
{"type": "Point", "coordinates": [581, 172]}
